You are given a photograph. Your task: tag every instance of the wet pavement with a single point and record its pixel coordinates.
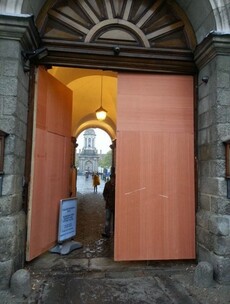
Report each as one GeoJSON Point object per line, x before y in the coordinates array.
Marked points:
{"type": "Point", "coordinates": [89, 275]}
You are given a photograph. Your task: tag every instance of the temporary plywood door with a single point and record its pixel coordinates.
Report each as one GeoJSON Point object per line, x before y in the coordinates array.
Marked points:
{"type": "Point", "coordinates": [155, 201]}
{"type": "Point", "coordinates": [51, 162]}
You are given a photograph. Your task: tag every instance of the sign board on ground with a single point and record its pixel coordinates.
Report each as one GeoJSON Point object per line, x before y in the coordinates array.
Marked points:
{"type": "Point", "coordinates": [67, 219]}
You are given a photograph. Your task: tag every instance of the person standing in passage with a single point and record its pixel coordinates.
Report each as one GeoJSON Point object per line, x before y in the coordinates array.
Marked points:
{"type": "Point", "coordinates": [109, 196]}
{"type": "Point", "coordinates": [96, 182]}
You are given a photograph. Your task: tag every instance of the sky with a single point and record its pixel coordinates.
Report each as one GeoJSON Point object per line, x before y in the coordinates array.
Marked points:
{"type": "Point", "coordinates": [102, 142]}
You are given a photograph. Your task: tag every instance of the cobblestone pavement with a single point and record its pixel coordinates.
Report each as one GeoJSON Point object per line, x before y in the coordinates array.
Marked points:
{"type": "Point", "coordinates": [90, 221]}
{"type": "Point", "coordinates": [89, 275]}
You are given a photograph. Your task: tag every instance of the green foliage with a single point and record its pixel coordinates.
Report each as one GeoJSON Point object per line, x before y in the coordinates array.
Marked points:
{"type": "Point", "coordinates": [106, 160]}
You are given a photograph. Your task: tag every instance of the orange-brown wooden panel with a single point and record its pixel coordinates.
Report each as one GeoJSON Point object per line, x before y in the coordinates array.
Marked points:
{"type": "Point", "coordinates": [58, 96]}
{"type": "Point", "coordinates": [173, 108]}
{"type": "Point", "coordinates": [49, 185]}
{"type": "Point", "coordinates": [51, 164]}
{"type": "Point", "coordinates": [53, 107]}
{"type": "Point", "coordinates": [155, 210]}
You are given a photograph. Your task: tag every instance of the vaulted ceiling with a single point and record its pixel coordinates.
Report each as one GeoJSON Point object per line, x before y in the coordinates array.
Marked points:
{"type": "Point", "coordinates": [90, 89]}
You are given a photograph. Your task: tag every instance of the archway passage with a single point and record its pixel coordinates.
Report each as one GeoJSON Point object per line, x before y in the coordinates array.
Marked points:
{"type": "Point", "coordinates": [153, 36]}
{"type": "Point", "coordinates": [154, 186]}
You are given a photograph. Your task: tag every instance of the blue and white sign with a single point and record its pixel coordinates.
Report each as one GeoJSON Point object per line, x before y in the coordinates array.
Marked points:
{"type": "Point", "coordinates": [67, 219]}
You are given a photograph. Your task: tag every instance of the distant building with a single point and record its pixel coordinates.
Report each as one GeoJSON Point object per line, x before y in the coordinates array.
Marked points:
{"type": "Point", "coordinates": [88, 157]}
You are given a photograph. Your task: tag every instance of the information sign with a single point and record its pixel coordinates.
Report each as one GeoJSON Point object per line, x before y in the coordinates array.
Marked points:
{"type": "Point", "coordinates": [67, 219]}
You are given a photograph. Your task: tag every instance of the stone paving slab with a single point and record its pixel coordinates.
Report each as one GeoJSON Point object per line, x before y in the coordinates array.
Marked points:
{"type": "Point", "coordinates": [76, 281]}
{"type": "Point", "coordinates": [128, 288]}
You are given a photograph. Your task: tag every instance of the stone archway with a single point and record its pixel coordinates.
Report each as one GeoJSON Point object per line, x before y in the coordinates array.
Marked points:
{"type": "Point", "coordinates": [219, 15]}
{"type": "Point", "coordinates": [111, 34]}
{"type": "Point", "coordinates": [212, 58]}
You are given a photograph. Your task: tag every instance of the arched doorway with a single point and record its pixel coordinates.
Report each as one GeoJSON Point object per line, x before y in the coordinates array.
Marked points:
{"type": "Point", "coordinates": [129, 35]}
{"type": "Point", "coordinates": [214, 17]}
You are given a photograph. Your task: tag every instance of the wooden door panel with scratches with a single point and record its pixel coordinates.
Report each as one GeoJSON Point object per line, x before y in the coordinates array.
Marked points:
{"type": "Point", "coordinates": [155, 195]}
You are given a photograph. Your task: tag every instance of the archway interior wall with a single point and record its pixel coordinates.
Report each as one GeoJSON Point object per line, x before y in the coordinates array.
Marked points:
{"type": "Point", "coordinates": [90, 87]}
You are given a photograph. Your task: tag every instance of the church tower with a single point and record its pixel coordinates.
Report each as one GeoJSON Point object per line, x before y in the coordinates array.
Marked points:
{"type": "Point", "coordinates": [88, 158]}
{"type": "Point", "coordinates": [89, 140]}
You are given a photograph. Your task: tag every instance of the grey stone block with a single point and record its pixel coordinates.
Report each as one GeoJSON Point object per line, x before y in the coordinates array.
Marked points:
{"type": "Point", "coordinates": [223, 63]}
{"type": "Point", "coordinates": [221, 269]}
{"type": "Point", "coordinates": [220, 205]}
{"type": "Point", "coordinates": [202, 218]}
{"type": "Point", "coordinates": [217, 168]}
{"type": "Point", "coordinates": [203, 275]}
{"type": "Point", "coordinates": [8, 187]}
{"type": "Point", "coordinates": [223, 114]}
{"type": "Point", "coordinates": [203, 106]}
{"type": "Point", "coordinates": [22, 112]}
{"type": "Point", "coordinates": [205, 238]}
{"type": "Point", "coordinates": [219, 225]}
{"type": "Point", "coordinates": [204, 169]}
{"type": "Point", "coordinates": [10, 144]}
{"type": "Point", "coordinates": [223, 97]}
{"type": "Point", "coordinates": [10, 204]}
{"type": "Point", "coordinates": [10, 68]}
{"type": "Point", "coordinates": [223, 80]}
{"type": "Point", "coordinates": [222, 245]}
{"type": "Point", "coordinates": [223, 131]}
{"type": "Point", "coordinates": [20, 283]}
{"type": "Point", "coordinates": [205, 202]}
{"type": "Point", "coordinates": [7, 247]}
{"type": "Point", "coordinates": [7, 227]}
{"type": "Point", "coordinates": [10, 49]}
{"type": "Point", "coordinates": [8, 86]}
{"type": "Point", "coordinates": [7, 124]}
{"type": "Point", "coordinates": [9, 105]}
{"type": "Point", "coordinates": [221, 264]}
{"type": "Point", "coordinates": [6, 269]}
{"type": "Point", "coordinates": [213, 186]}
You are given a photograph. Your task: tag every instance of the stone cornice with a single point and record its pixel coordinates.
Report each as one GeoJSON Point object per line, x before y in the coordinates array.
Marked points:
{"type": "Point", "coordinates": [20, 28]}
{"type": "Point", "coordinates": [215, 44]}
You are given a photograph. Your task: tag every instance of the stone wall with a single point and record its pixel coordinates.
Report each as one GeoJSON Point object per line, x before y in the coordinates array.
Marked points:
{"type": "Point", "coordinates": [13, 120]}
{"type": "Point", "coordinates": [16, 34]}
{"type": "Point", "coordinates": [213, 217]}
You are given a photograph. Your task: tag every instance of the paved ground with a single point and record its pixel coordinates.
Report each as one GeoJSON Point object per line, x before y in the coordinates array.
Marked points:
{"type": "Point", "coordinates": [90, 276]}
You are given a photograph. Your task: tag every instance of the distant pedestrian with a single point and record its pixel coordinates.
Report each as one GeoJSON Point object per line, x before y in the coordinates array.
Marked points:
{"type": "Point", "coordinates": [96, 182]}
{"type": "Point", "coordinates": [109, 196]}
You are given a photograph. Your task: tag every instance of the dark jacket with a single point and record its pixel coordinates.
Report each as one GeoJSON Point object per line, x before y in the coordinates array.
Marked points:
{"type": "Point", "coordinates": [109, 195]}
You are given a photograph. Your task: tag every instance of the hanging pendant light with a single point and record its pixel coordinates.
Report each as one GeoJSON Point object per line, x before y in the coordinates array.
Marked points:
{"type": "Point", "coordinates": [101, 112]}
